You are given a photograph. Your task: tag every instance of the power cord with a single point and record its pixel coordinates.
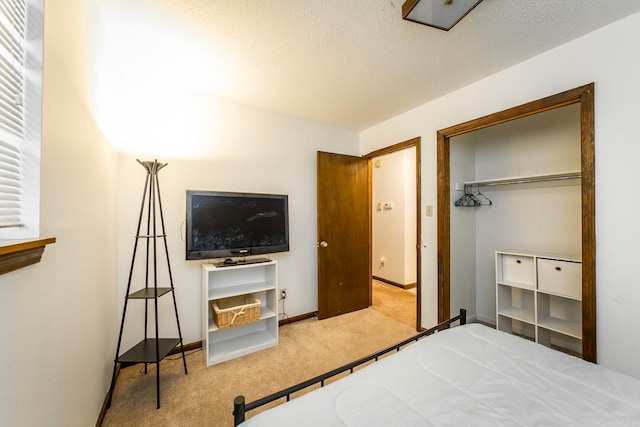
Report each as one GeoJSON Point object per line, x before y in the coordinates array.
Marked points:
{"type": "Point", "coordinates": [186, 354]}
{"type": "Point", "coordinates": [283, 313]}
{"type": "Point", "coordinates": [178, 357]}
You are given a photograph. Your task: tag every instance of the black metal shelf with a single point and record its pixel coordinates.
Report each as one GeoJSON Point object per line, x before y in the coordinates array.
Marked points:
{"type": "Point", "coordinates": [149, 350]}
{"type": "Point", "coordinates": [148, 293]}
{"type": "Point", "coordinates": [145, 350]}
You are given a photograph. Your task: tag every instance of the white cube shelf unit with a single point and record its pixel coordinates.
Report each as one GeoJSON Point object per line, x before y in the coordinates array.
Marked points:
{"type": "Point", "coordinates": [539, 296]}
{"type": "Point", "coordinates": [259, 279]}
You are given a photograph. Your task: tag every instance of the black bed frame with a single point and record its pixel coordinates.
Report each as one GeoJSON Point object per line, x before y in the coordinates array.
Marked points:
{"type": "Point", "coordinates": [240, 407]}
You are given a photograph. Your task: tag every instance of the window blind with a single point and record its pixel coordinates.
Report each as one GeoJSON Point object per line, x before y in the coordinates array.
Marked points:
{"type": "Point", "coordinates": [12, 38]}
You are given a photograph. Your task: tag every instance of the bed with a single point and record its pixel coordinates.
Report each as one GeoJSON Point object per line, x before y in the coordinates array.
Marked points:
{"type": "Point", "coordinates": [466, 375]}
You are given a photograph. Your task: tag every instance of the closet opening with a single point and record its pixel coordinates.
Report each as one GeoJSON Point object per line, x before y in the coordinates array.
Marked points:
{"type": "Point", "coordinates": [519, 186]}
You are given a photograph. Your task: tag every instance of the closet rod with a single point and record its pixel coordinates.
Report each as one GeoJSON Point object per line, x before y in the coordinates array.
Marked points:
{"type": "Point", "coordinates": [524, 179]}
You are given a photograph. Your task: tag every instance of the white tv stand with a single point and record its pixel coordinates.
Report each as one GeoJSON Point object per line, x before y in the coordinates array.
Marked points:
{"type": "Point", "coordinates": [259, 279]}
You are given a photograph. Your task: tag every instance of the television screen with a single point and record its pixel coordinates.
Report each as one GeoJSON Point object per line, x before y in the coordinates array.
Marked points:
{"type": "Point", "coordinates": [224, 224]}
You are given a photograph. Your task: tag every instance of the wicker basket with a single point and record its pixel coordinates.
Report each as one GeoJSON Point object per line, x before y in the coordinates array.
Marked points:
{"type": "Point", "coordinates": [235, 311]}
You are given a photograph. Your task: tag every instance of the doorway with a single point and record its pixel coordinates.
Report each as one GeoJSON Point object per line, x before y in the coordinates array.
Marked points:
{"type": "Point", "coordinates": [344, 188]}
{"type": "Point", "coordinates": [395, 231]}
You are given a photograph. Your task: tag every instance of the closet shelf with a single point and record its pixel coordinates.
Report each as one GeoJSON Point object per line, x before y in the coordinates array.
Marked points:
{"type": "Point", "coordinates": [524, 179]}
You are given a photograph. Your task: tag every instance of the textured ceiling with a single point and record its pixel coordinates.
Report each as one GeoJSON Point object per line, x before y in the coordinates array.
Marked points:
{"type": "Point", "coordinates": [346, 63]}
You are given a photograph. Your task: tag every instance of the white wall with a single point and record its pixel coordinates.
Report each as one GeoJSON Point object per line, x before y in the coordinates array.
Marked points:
{"type": "Point", "coordinates": [602, 57]}
{"type": "Point", "coordinates": [65, 311]}
{"type": "Point", "coordinates": [249, 150]}
{"type": "Point", "coordinates": [394, 230]}
{"type": "Point", "coordinates": [463, 231]}
{"type": "Point", "coordinates": [149, 108]}
{"type": "Point", "coordinates": [58, 316]}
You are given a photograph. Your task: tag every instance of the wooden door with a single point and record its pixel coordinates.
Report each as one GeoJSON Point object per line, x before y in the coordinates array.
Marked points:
{"type": "Point", "coordinates": [344, 225]}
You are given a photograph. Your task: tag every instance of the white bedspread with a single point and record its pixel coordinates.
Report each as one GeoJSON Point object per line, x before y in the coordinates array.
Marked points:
{"type": "Point", "coordinates": [468, 376]}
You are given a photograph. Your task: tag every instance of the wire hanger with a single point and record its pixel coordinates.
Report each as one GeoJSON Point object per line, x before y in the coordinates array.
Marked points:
{"type": "Point", "coordinates": [485, 200]}
{"type": "Point", "coordinates": [468, 199]}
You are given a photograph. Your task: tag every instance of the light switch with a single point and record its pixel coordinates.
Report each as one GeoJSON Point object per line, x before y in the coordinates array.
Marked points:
{"type": "Point", "coordinates": [429, 210]}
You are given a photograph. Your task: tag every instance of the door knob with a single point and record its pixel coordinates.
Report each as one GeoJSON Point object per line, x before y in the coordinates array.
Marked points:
{"type": "Point", "coordinates": [323, 244]}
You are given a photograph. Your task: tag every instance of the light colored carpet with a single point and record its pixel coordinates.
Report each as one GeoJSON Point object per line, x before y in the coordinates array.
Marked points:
{"type": "Point", "coordinates": [395, 302]}
{"type": "Point", "coordinates": [205, 396]}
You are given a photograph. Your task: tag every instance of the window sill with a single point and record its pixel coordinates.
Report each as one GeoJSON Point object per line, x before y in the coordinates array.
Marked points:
{"type": "Point", "coordinates": [16, 254]}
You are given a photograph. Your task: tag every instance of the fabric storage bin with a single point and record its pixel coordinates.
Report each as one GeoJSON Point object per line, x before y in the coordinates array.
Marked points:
{"type": "Point", "coordinates": [518, 269]}
{"type": "Point", "coordinates": [235, 311]}
{"type": "Point", "coordinates": [560, 277]}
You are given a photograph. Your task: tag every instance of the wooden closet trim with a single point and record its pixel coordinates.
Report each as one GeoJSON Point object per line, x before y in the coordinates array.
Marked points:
{"type": "Point", "coordinates": [584, 95]}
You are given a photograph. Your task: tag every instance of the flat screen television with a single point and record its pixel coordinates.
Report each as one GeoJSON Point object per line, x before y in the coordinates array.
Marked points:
{"type": "Point", "coordinates": [225, 224]}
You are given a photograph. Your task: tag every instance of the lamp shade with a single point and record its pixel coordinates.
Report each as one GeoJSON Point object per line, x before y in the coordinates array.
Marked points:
{"type": "Point", "coordinates": [442, 14]}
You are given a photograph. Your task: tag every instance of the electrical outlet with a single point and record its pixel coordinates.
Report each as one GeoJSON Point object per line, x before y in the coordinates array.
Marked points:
{"type": "Point", "coordinates": [283, 293]}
